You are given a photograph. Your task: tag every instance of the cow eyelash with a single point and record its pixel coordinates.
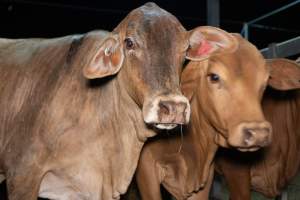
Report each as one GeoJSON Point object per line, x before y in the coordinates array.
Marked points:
{"type": "Point", "coordinates": [214, 78]}
{"type": "Point", "coordinates": [129, 43]}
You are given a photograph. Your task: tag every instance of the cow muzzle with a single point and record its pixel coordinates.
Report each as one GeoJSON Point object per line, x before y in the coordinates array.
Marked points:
{"type": "Point", "coordinates": [166, 112]}
{"type": "Point", "coordinates": [251, 136]}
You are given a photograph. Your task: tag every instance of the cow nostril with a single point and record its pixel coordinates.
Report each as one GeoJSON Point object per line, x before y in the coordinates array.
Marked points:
{"type": "Point", "coordinates": [247, 133]}
{"type": "Point", "coordinates": [164, 108]}
{"type": "Point", "coordinates": [248, 136]}
{"type": "Point", "coordinates": [172, 112]}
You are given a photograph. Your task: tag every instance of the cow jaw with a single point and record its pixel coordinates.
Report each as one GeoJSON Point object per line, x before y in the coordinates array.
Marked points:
{"type": "Point", "coordinates": [223, 142]}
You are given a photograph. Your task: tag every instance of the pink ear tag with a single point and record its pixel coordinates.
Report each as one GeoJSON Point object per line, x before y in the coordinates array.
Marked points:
{"type": "Point", "coordinates": [205, 48]}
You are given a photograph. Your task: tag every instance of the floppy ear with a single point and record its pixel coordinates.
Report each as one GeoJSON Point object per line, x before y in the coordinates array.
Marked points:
{"type": "Point", "coordinates": [284, 74]}
{"type": "Point", "coordinates": [106, 59]}
{"type": "Point", "coordinates": [206, 41]}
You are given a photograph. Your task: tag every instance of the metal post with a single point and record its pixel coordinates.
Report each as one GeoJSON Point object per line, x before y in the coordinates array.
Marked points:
{"type": "Point", "coordinates": [272, 51]}
{"type": "Point", "coordinates": [246, 31]}
{"type": "Point", "coordinates": [283, 196]}
{"type": "Point", "coordinates": [216, 189]}
{"type": "Point", "coordinates": [273, 12]}
{"type": "Point", "coordinates": [287, 48]}
{"type": "Point", "coordinates": [213, 12]}
{"type": "Point", "coordinates": [249, 23]}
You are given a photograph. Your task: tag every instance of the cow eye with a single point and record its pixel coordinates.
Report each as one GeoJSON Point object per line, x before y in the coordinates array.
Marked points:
{"type": "Point", "coordinates": [214, 78]}
{"type": "Point", "coordinates": [129, 43]}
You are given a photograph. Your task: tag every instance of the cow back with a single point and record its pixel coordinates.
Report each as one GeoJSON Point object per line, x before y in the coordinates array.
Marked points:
{"type": "Point", "coordinates": [29, 73]}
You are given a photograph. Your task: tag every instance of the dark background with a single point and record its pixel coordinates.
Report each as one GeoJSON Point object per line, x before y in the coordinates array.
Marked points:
{"type": "Point", "coordinates": [52, 18]}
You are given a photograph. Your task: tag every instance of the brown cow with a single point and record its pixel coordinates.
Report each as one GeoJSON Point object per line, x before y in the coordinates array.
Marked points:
{"type": "Point", "coordinates": [271, 169]}
{"type": "Point", "coordinates": [65, 137]}
{"type": "Point", "coordinates": [225, 92]}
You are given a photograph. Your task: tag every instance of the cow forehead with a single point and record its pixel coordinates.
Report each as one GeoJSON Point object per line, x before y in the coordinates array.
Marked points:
{"type": "Point", "coordinates": [150, 20]}
{"type": "Point", "coordinates": [151, 11]}
{"type": "Point", "coordinates": [246, 61]}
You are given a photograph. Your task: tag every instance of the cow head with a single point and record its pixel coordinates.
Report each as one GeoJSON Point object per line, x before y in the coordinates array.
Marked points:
{"type": "Point", "coordinates": [229, 88]}
{"type": "Point", "coordinates": [147, 50]}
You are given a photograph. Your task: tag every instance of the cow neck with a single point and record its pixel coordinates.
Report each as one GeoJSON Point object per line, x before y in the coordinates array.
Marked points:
{"type": "Point", "coordinates": [201, 134]}
{"type": "Point", "coordinates": [110, 113]}
{"type": "Point", "coordinates": [130, 133]}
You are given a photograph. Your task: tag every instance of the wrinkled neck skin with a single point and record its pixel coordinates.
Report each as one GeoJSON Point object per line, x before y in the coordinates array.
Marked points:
{"type": "Point", "coordinates": [109, 143]}
{"type": "Point", "coordinates": [130, 133]}
{"type": "Point", "coordinates": [194, 155]}
{"type": "Point", "coordinates": [192, 162]}
{"type": "Point", "coordinates": [203, 134]}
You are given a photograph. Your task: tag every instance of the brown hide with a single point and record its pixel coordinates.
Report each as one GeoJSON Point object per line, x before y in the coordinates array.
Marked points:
{"type": "Point", "coordinates": [270, 171]}
{"type": "Point", "coordinates": [184, 165]}
{"type": "Point", "coordinates": [281, 160]}
{"type": "Point", "coordinates": [232, 85]}
{"type": "Point", "coordinates": [65, 137]}
{"type": "Point", "coordinates": [57, 129]}
{"type": "Point", "coordinates": [180, 163]}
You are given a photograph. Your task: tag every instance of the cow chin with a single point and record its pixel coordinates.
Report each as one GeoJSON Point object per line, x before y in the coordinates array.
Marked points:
{"type": "Point", "coordinates": [166, 112]}
{"type": "Point", "coordinates": [238, 144]}
{"type": "Point", "coordinates": [231, 143]}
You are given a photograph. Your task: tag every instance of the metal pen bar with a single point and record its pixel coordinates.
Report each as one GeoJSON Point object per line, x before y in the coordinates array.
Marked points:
{"type": "Point", "coordinates": [273, 12]}
{"type": "Point", "coordinates": [260, 26]}
{"type": "Point", "coordinates": [245, 30]}
{"type": "Point", "coordinates": [213, 12]}
{"type": "Point", "coordinates": [284, 49]}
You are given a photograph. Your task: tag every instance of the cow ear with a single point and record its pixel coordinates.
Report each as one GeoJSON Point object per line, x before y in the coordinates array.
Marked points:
{"type": "Point", "coordinates": [206, 41]}
{"type": "Point", "coordinates": [284, 74]}
{"type": "Point", "coordinates": [107, 59]}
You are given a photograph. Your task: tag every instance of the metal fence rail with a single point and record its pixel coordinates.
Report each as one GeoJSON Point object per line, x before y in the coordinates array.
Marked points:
{"type": "Point", "coordinates": [245, 30]}
{"type": "Point", "coordinates": [284, 49]}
